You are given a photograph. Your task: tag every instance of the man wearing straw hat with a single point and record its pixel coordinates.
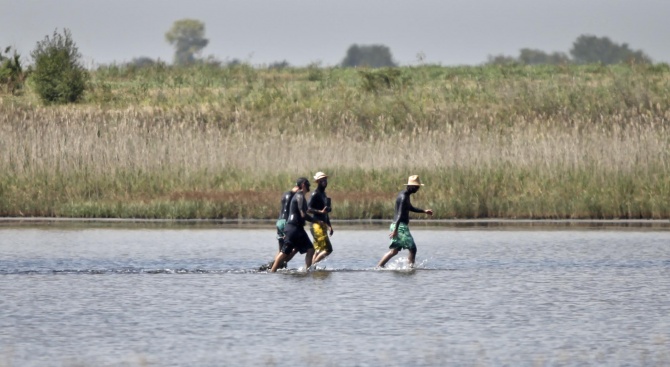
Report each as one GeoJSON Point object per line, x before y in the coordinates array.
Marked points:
{"type": "Point", "coordinates": [319, 206]}
{"type": "Point", "coordinates": [296, 237]}
{"type": "Point", "coordinates": [400, 236]}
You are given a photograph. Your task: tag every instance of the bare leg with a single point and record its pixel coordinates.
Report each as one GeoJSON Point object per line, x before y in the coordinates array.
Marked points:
{"type": "Point", "coordinates": [280, 242]}
{"type": "Point", "coordinates": [387, 257]}
{"type": "Point", "coordinates": [281, 257]}
{"type": "Point", "coordinates": [320, 256]}
{"type": "Point", "coordinates": [411, 257]}
{"type": "Point", "coordinates": [284, 264]}
{"type": "Point", "coordinates": [308, 258]}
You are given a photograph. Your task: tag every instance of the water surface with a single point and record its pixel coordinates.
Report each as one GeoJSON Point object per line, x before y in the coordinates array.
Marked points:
{"type": "Point", "coordinates": [193, 296]}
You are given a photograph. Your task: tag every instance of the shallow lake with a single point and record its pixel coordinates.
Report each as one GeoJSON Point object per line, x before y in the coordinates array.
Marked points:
{"type": "Point", "coordinates": [111, 296]}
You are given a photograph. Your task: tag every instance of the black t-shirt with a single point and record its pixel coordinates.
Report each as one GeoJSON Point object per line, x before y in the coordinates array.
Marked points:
{"type": "Point", "coordinates": [298, 210]}
{"type": "Point", "coordinates": [402, 208]}
{"type": "Point", "coordinates": [318, 201]}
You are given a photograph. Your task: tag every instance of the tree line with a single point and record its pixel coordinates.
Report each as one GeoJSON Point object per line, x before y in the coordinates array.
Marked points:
{"type": "Point", "coordinates": [59, 76]}
{"type": "Point", "coordinates": [188, 38]}
{"type": "Point", "coordinates": [586, 49]}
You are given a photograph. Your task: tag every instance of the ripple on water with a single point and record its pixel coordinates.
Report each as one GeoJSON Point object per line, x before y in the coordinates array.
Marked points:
{"type": "Point", "coordinates": [189, 297]}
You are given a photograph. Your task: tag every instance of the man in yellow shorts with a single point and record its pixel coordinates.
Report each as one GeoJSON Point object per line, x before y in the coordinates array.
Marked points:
{"type": "Point", "coordinates": [296, 239]}
{"type": "Point", "coordinates": [319, 206]}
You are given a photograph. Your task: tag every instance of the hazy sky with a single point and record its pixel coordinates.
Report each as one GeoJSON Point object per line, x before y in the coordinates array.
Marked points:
{"type": "Point", "coordinates": [448, 32]}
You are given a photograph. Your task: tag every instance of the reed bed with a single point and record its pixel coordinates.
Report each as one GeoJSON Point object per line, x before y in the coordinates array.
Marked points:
{"type": "Point", "coordinates": [489, 142]}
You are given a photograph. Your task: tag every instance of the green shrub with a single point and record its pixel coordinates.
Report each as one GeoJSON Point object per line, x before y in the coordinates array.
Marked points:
{"type": "Point", "coordinates": [380, 79]}
{"type": "Point", "coordinates": [12, 75]}
{"type": "Point", "coordinates": [58, 75]}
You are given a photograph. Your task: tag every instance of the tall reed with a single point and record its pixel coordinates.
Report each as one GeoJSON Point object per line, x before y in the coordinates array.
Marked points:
{"type": "Point", "coordinates": [505, 142]}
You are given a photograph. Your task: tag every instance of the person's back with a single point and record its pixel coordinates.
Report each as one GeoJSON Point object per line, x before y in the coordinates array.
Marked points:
{"type": "Point", "coordinates": [285, 204]}
{"type": "Point", "coordinates": [402, 205]}
{"type": "Point", "coordinates": [297, 205]}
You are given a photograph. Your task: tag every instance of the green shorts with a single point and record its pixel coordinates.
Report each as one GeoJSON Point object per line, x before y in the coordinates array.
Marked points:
{"type": "Point", "coordinates": [404, 239]}
{"type": "Point", "coordinates": [281, 224]}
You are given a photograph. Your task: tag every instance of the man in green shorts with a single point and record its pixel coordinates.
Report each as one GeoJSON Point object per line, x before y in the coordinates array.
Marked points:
{"type": "Point", "coordinates": [281, 224]}
{"type": "Point", "coordinates": [296, 238]}
{"type": "Point", "coordinates": [400, 236]}
{"type": "Point", "coordinates": [283, 214]}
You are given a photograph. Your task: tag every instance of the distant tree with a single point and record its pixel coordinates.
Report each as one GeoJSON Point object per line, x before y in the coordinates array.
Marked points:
{"type": "Point", "coordinates": [188, 38]}
{"type": "Point", "coordinates": [589, 49]}
{"type": "Point", "coordinates": [58, 74]}
{"type": "Point", "coordinates": [534, 57]}
{"type": "Point", "coordinates": [374, 56]}
{"type": "Point", "coordinates": [529, 56]}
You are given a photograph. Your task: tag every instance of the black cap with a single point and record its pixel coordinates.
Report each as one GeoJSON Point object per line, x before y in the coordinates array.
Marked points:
{"type": "Point", "coordinates": [301, 181]}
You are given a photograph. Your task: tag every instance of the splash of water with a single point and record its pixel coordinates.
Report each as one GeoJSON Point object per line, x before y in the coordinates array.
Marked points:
{"type": "Point", "coordinates": [402, 263]}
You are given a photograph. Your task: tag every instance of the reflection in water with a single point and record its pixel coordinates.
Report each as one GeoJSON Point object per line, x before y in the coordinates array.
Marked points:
{"type": "Point", "coordinates": [320, 274]}
{"type": "Point", "coordinates": [195, 297]}
{"type": "Point", "coordinates": [404, 272]}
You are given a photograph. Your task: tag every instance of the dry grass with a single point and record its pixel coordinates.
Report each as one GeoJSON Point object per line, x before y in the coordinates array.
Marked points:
{"type": "Point", "coordinates": [517, 146]}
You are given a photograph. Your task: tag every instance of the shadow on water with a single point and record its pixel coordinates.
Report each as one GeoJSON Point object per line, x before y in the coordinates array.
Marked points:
{"type": "Point", "coordinates": [315, 274]}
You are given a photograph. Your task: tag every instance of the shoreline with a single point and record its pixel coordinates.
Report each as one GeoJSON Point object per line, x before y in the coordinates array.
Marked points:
{"type": "Point", "coordinates": [417, 223]}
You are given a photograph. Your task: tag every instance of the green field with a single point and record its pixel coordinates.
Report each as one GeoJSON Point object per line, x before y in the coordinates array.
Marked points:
{"type": "Point", "coordinates": [578, 142]}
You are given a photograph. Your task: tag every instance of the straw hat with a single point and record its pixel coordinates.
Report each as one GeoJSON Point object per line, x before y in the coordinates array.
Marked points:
{"type": "Point", "coordinates": [414, 181]}
{"type": "Point", "coordinates": [320, 175]}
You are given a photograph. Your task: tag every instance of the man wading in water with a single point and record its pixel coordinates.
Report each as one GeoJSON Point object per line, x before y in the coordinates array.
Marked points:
{"type": "Point", "coordinates": [296, 237]}
{"type": "Point", "coordinates": [319, 206]}
{"type": "Point", "coordinates": [400, 236]}
{"type": "Point", "coordinates": [281, 223]}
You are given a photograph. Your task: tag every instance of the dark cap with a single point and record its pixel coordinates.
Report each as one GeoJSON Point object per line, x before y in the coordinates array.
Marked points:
{"type": "Point", "coordinates": [301, 181]}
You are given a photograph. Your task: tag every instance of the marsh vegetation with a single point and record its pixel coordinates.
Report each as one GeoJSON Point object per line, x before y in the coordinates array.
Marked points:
{"type": "Point", "coordinates": [207, 141]}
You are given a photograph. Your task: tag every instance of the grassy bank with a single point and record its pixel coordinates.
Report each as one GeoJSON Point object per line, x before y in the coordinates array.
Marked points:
{"type": "Point", "coordinates": [503, 142]}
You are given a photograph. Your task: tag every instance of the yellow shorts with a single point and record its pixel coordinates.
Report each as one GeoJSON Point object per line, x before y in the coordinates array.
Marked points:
{"type": "Point", "coordinates": [321, 240]}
